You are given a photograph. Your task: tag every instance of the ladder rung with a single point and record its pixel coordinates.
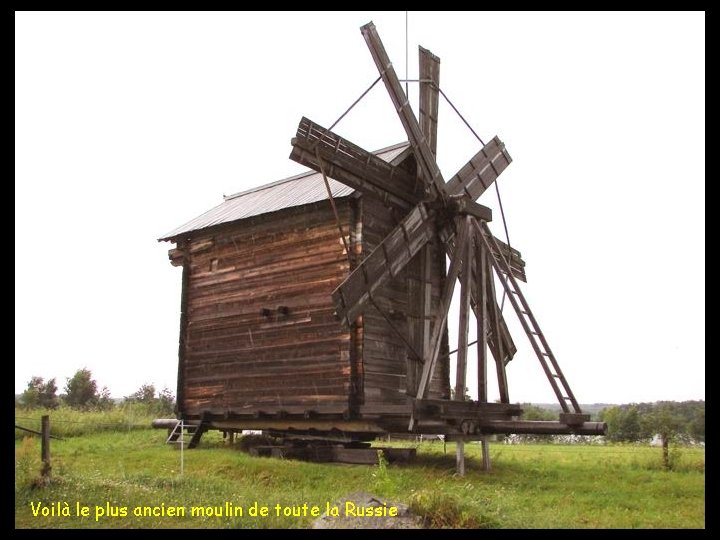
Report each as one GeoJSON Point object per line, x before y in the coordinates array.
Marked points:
{"type": "Point", "coordinates": [535, 333]}
{"type": "Point", "coordinates": [556, 375]}
{"type": "Point", "coordinates": [524, 312]}
{"type": "Point", "coordinates": [546, 354]}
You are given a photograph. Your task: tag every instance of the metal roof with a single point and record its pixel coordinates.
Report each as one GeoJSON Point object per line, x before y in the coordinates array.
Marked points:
{"type": "Point", "coordinates": [297, 190]}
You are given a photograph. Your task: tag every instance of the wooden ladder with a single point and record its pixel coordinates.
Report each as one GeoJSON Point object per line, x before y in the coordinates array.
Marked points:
{"type": "Point", "coordinates": [177, 435]}
{"type": "Point", "coordinates": [540, 345]}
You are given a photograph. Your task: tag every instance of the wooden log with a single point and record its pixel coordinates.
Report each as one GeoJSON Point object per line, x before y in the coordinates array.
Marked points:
{"type": "Point", "coordinates": [45, 446]}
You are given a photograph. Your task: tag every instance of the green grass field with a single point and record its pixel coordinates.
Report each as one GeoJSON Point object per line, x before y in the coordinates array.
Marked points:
{"type": "Point", "coordinates": [530, 486]}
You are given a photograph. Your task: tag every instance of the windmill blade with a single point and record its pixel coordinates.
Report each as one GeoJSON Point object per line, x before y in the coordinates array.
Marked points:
{"type": "Point", "coordinates": [385, 261]}
{"type": "Point", "coordinates": [513, 258]}
{"type": "Point", "coordinates": [429, 97]}
{"type": "Point", "coordinates": [423, 153]}
{"type": "Point", "coordinates": [478, 174]}
{"type": "Point", "coordinates": [353, 166]}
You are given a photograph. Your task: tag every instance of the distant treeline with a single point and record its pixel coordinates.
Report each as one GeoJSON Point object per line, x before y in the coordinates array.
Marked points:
{"type": "Point", "coordinates": [681, 421]}
{"type": "Point", "coordinates": [81, 392]}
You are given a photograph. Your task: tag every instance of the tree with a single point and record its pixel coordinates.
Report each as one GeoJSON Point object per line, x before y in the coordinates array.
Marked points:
{"type": "Point", "coordinates": [40, 394]}
{"type": "Point", "coordinates": [166, 401]}
{"type": "Point", "coordinates": [666, 422]}
{"type": "Point", "coordinates": [81, 389]}
{"type": "Point", "coordinates": [104, 400]}
{"type": "Point", "coordinates": [696, 428]}
{"type": "Point", "coordinates": [145, 394]}
{"type": "Point", "coordinates": [623, 423]}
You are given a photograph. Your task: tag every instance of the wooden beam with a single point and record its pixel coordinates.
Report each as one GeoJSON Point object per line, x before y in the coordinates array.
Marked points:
{"type": "Point", "coordinates": [420, 301]}
{"type": "Point", "coordinates": [441, 318]}
{"type": "Point", "coordinates": [426, 160]}
{"type": "Point", "coordinates": [421, 290]}
{"type": "Point", "coordinates": [485, 441]}
{"type": "Point", "coordinates": [499, 353]}
{"type": "Point", "coordinates": [463, 328]}
{"type": "Point", "coordinates": [45, 445]}
{"type": "Point", "coordinates": [182, 341]}
{"type": "Point", "coordinates": [464, 206]}
{"type": "Point", "coordinates": [482, 320]}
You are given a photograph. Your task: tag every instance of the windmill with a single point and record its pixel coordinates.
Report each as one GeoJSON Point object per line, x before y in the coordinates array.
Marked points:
{"type": "Point", "coordinates": [440, 213]}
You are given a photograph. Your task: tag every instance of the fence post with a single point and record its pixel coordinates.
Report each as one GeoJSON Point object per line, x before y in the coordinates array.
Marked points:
{"type": "Point", "coordinates": [45, 446]}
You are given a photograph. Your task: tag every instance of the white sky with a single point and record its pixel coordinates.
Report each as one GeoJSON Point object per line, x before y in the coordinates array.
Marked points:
{"type": "Point", "coordinates": [129, 124]}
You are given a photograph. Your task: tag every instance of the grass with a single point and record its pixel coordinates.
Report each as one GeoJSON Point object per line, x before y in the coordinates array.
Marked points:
{"type": "Point", "coordinates": [68, 422]}
{"type": "Point", "coordinates": [530, 486]}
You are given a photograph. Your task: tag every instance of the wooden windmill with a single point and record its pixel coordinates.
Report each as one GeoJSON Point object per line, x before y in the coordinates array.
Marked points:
{"type": "Point", "coordinates": [439, 213]}
{"type": "Point", "coordinates": [265, 282]}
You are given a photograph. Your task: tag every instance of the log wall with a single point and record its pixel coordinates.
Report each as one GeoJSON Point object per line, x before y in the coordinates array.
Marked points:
{"type": "Point", "coordinates": [239, 359]}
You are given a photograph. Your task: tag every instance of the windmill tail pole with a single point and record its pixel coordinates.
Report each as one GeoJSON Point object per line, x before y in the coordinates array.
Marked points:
{"type": "Point", "coordinates": [539, 427]}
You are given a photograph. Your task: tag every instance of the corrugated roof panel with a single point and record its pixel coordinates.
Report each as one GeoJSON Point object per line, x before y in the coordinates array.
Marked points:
{"type": "Point", "coordinates": [297, 190]}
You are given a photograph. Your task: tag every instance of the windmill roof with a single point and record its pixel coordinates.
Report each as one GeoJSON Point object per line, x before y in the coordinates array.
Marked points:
{"type": "Point", "coordinates": [304, 188]}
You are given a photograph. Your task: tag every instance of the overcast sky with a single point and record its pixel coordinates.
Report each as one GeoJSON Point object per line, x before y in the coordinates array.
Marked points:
{"type": "Point", "coordinates": [130, 124]}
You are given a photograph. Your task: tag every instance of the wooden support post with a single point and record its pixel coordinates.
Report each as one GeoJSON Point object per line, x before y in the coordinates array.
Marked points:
{"type": "Point", "coordinates": [460, 457]}
{"type": "Point", "coordinates": [464, 252]}
{"type": "Point", "coordinates": [481, 263]}
{"type": "Point", "coordinates": [485, 453]}
{"type": "Point", "coordinates": [45, 446]}
{"type": "Point", "coordinates": [500, 356]}
{"type": "Point", "coordinates": [441, 319]}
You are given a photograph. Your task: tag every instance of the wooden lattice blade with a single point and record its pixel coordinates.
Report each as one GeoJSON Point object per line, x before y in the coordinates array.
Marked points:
{"type": "Point", "coordinates": [387, 260]}
{"type": "Point", "coordinates": [353, 166]}
{"type": "Point", "coordinates": [429, 98]}
{"type": "Point", "coordinates": [481, 171]}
